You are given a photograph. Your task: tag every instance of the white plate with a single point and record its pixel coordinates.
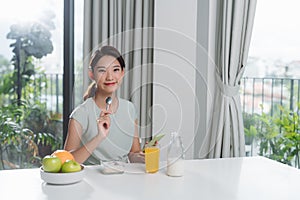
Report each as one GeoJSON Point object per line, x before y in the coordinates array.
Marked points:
{"type": "Point", "coordinates": [62, 178]}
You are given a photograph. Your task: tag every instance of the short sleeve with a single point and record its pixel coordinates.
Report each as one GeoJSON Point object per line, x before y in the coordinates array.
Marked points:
{"type": "Point", "coordinates": [133, 111]}
{"type": "Point", "coordinates": [79, 114]}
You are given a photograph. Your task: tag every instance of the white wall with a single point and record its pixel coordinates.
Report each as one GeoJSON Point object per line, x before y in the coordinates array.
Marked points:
{"type": "Point", "coordinates": [175, 104]}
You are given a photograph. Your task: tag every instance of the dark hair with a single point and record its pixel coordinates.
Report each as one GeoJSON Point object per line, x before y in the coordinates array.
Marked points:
{"type": "Point", "coordinates": [106, 51]}
{"type": "Point", "coordinates": [97, 55]}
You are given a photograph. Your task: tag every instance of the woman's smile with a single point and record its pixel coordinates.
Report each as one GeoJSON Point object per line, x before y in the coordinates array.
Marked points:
{"type": "Point", "coordinates": [110, 83]}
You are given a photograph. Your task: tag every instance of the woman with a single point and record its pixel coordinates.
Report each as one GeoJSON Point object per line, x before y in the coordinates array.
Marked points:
{"type": "Point", "coordinates": [95, 132]}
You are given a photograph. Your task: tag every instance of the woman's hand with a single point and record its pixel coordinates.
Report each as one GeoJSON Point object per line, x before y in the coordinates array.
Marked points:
{"type": "Point", "coordinates": [138, 157]}
{"type": "Point", "coordinates": [103, 123]}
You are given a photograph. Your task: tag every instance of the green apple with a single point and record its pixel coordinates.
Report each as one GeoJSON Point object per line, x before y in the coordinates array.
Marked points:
{"type": "Point", "coordinates": [70, 166]}
{"type": "Point", "coordinates": [51, 164]}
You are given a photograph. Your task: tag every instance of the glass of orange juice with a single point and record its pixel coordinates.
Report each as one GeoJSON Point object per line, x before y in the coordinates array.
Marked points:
{"type": "Point", "coordinates": [152, 159]}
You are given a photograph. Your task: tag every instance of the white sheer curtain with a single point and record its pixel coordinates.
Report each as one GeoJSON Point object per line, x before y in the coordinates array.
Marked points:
{"type": "Point", "coordinates": [234, 22]}
{"type": "Point", "coordinates": [128, 26]}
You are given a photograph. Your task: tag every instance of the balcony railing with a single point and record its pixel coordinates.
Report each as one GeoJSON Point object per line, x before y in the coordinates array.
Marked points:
{"type": "Point", "coordinates": [269, 92]}
{"type": "Point", "coordinates": [52, 94]}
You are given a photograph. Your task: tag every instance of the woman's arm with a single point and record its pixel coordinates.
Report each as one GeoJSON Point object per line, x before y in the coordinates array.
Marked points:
{"type": "Point", "coordinates": [135, 154]}
{"type": "Point", "coordinates": [136, 147]}
{"type": "Point", "coordinates": [73, 141]}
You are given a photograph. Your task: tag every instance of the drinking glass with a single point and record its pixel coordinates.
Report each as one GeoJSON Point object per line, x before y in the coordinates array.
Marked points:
{"type": "Point", "coordinates": [152, 159]}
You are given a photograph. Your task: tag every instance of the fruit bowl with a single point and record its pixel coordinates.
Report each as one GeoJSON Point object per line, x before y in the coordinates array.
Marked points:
{"type": "Point", "coordinates": [62, 178]}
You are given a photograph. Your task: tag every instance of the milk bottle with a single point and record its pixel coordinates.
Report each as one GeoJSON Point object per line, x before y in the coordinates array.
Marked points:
{"type": "Point", "coordinates": [175, 156]}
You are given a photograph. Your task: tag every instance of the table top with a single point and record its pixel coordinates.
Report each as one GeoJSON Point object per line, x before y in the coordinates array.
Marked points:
{"type": "Point", "coordinates": [227, 178]}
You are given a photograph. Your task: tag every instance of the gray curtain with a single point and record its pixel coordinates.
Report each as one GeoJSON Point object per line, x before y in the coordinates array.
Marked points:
{"type": "Point", "coordinates": [234, 27]}
{"type": "Point", "coordinates": [128, 26]}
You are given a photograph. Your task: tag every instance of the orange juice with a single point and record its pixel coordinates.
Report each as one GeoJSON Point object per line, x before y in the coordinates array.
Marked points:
{"type": "Point", "coordinates": [152, 159]}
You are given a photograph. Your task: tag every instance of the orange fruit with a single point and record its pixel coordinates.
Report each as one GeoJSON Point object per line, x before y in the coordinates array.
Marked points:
{"type": "Point", "coordinates": [63, 155]}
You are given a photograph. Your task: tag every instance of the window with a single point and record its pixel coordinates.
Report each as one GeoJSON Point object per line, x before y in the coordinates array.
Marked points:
{"type": "Point", "coordinates": [31, 37]}
{"type": "Point", "coordinates": [270, 88]}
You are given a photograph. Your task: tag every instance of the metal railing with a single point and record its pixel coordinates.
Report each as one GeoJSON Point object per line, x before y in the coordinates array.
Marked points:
{"type": "Point", "coordinates": [264, 95]}
{"type": "Point", "coordinates": [52, 94]}
{"type": "Point", "coordinates": [269, 92]}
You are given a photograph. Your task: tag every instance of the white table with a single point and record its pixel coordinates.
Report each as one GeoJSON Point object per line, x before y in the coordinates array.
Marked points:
{"type": "Point", "coordinates": [233, 178]}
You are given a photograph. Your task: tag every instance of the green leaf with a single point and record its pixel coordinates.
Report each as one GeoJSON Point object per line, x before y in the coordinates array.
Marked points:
{"type": "Point", "coordinates": [253, 131]}
{"type": "Point", "coordinates": [155, 139]}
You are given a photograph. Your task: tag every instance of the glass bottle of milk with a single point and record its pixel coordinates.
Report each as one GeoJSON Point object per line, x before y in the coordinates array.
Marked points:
{"type": "Point", "coordinates": [175, 156]}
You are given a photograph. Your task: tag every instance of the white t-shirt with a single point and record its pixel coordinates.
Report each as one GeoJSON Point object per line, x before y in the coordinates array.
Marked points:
{"type": "Point", "coordinates": [119, 141]}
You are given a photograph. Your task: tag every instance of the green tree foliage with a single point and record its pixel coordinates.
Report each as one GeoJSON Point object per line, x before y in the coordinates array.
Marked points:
{"type": "Point", "coordinates": [278, 136]}
{"type": "Point", "coordinates": [18, 140]}
{"type": "Point", "coordinates": [32, 40]}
